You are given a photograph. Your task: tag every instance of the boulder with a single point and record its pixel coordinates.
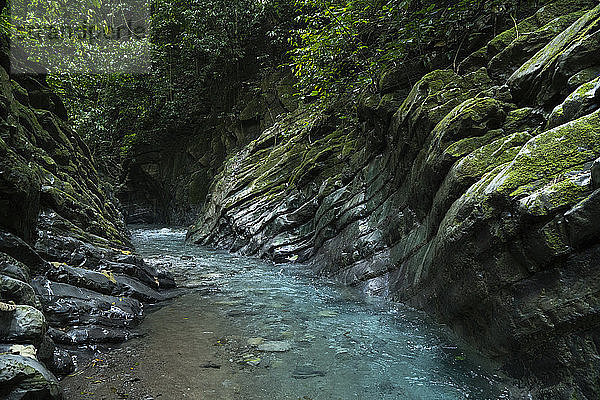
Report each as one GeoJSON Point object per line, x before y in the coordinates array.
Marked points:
{"type": "Point", "coordinates": [67, 305]}
{"type": "Point", "coordinates": [18, 249]}
{"type": "Point", "coordinates": [584, 100]}
{"type": "Point", "coordinates": [17, 291]}
{"type": "Point", "coordinates": [13, 268]}
{"type": "Point", "coordinates": [23, 325]}
{"type": "Point", "coordinates": [23, 377]}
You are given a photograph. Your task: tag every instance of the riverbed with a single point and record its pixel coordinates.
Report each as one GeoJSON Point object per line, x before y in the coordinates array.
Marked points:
{"type": "Point", "coordinates": [245, 328]}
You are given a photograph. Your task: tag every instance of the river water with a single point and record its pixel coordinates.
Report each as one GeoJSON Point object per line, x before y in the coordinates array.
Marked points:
{"type": "Point", "coordinates": [338, 344]}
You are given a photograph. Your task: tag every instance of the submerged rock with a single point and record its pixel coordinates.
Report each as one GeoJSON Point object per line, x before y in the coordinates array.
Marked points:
{"type": "Point", "coordinates": [256, 341]}
{"type": "Point", "coordinates": [275, 346]}
{"type": "Point", "coordinates": [306, 372]}
{"type": "Point", "coordinates": [327, 313]}
{"type": "Point", "coordinates": [250, 359]}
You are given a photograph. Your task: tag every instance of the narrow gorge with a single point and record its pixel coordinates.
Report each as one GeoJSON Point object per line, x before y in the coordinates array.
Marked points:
{"type": "Point", "coordinates": [463, 184]}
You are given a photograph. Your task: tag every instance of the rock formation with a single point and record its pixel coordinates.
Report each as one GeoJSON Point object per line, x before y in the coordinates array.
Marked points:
{"type": "Point", "coordinates": [67, 275]}
{"type": "Point", "coordinates": [474, 197]}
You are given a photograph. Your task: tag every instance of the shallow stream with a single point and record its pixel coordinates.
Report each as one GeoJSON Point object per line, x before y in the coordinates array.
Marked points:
{"type": "Point", "coordinates": [306, 337]}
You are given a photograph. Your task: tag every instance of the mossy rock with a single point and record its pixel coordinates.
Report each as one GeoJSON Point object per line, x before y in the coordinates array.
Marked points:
{"type": "Point", "coordinates": [553, 152]}
{"type": "Point", "coordinates": [484, 158]}
{"type": "Point", "coordinates": [579, 103]}
{"type": "Point", "coordinates": [537, 21]}
{"type": "Point", "coordinates": [503, 64]}
{"type": "Point", "coordinates": [471, 119]}
{"type": "Point", "coordinates": [557, 195]}
{"type": "Point", "coordinates": [583, 76]}
{"type": "Point", "coordinates": [535, 79]}
{"type": "Point", "coordinates": [523, 119]}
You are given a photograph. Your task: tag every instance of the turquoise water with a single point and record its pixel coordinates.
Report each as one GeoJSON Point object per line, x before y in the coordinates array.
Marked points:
{"type": "Point", "coordinates": [342, 345]}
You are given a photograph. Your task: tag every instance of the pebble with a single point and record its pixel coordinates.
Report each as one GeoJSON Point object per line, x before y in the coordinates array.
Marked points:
{"type": "Point", "coordinates": [227, 302]}
{"type": "Point", "coordinates": [213, 275]}
{"type": "Point", "coordinates": [250, 359]}
{"type": "Point", "coordinates": [327, 313]}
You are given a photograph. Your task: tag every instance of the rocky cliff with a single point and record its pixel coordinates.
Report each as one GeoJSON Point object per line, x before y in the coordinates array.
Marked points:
{"type": "Point", "coordinates": [67, 275]}
{"type": "Point", "coordinates": [475, 197]}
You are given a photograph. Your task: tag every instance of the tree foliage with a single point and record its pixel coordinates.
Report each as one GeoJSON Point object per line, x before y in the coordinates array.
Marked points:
{"type": "Point", "coordinates": [344, 45]}
{"type": "Point", "coordinates": [201, 52]}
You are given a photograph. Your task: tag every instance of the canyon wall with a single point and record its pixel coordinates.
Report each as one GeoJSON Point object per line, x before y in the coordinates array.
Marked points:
{"type": "Point", "coordinates": [67, 275]}
{"type": "Point", "coordinates": [474, 197]}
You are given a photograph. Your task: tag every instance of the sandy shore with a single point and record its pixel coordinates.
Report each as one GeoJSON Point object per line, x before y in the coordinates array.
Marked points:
{"type": "Point", "coordinates": [179, 357]}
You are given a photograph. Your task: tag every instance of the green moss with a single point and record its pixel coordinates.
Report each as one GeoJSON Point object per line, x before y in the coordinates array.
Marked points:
{"type": "Point", "coordinates": [552, 152]}
{"type": "Point", "coordinates": [468, 145]}
{"type": "Point", "coordinates": [478, 78]}
{"type": "Point", "coordinates": [518, 115]}
{"type": "Point", "coordinates": [428, 85]}
{"type": "Point", "coordinates": [584, 76]}
{"type": "Point", "coordinates": [576, 104]}
{"type": "Point", "coordinates": [554, 196]}
{"type": "Point", "coordinates": [60, 198]}
{"type": "Point", "coordinates": [542, 17]}
{"type": "Point", "coordinates": [468, 119]}
{"type": "Point", "coordinates": [574, 396]}
{"type": "Point", "coordinates": [554, 239]}
{"type": "Point", "coordinates": [545, 57]}
{"type": "Point", "coordinates": [488, 157]}
{"type": "Point", "coordinates": [19, 90]}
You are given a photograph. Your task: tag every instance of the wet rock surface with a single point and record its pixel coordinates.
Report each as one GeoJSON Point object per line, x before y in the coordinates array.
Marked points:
{"type": "Point", "coordinates": [53, 308]}
{"type": "Point", "coordinates": [167, 177]}
{"type": "Point", "coordinates": [23, 325]}
{"type": "Point", "coordinates": [478, 204]}
{"type": "Point", "coordinates": [473, 196]}
{"type": "Point", "coordinates": [23, 377]}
